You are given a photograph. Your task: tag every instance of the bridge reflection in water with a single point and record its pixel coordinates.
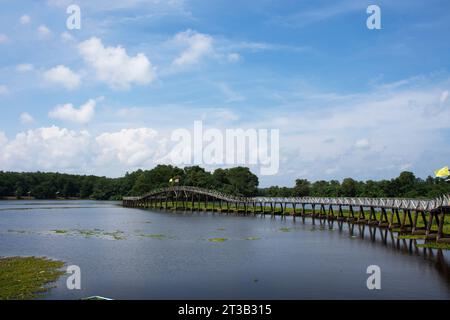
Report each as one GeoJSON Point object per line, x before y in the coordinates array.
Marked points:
{"type": "Point", "coordinates": [436, 258]}
{"type": "Point", "coordinates": [407, 216]}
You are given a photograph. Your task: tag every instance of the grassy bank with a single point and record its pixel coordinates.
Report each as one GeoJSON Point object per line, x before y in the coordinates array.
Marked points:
{"type": "Point", "coordinates": [23, 278]}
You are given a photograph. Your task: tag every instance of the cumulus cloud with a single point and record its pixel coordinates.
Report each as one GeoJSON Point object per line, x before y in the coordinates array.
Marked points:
{"type": "Point", "coordinates": [24, 67]}
{"type": "Point", "coordinates": [26, 118]}
{"type": "Point", "coordinates": [63, 76]}
{"type": "Point", "coordinates": [50, 148]}
{"type": "Point", "coordinates": [197, 46]}
{"type": "Point", "coordinates": [59, 149]}
{"type": "Point", "coordinates": [130, 147]}
{"type": "Point", "coordinates": [25, 19]}
{"type": "Point", "coordinates": [43, 31]}
{"type": "Point", "coordinates": [114, 66]}
{"type": "Point", "coordinates": [68, 112]}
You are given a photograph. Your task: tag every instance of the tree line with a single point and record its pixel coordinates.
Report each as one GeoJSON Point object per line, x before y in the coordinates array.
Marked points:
{"type": "Point", "coordinates": [235, 181]}
{"type": "Point", "coordinates": [44, 185]}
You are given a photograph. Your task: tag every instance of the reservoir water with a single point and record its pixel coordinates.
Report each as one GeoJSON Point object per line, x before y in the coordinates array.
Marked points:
{"type": "Point", "coordinates": [126, 253]}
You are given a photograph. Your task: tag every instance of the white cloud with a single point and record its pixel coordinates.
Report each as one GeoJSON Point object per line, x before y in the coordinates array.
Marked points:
{"type": "Point", "coordinates": [43, 31]}
{"type": "Point", "coordinates": [48, 148]}
{"type": "Point", "coordinates": [114, 66]}
{"type": "Point", "coordinates": [3, 89]}
{"type": "Point", "coordinates": [3, 38]}
{"type": "Point", "coordinates": [374, 133]}
{"type": "Point", "coordinates": [26, 118]}
{"type": "Point", "coordinates": [130, 147]}
{"type": "Point", "coordinates": [362, 144]}
{"type": "Point", "coordinates": [59, 149]}
{"type": "Point", "coordinates": [66, 37]}
{"type": "Point", "coordinates": [315, 14]}
{"type": "Point", "coordinates": [68, 112]}
{"type": "Point", "coordinates": [24, 67]}
{"type": "Point", "coordinates": [233, 57]}
{"type": "Point", "coordinates": [3, 138]}
{"type": "Point", "coordinates": [63, 76]}
{"type": "Point", "coordinates": [444, 96]}
{"type": "Point", "coordinates": [197, 46]}
{"type": "Point", "coordinates": [25, 19]}
{"type": "Point", "coordinates": [230, 94]}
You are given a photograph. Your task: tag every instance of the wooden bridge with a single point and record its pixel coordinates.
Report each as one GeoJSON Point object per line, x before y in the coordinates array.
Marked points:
{"type": "Point", "coordinates": [408, 216]}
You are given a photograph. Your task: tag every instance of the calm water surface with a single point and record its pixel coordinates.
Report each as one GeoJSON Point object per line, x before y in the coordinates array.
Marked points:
{"type": "Point", "coordinates": [129, 253]}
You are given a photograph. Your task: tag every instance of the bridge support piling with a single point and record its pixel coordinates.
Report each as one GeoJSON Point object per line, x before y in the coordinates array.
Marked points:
{"type": "Point", "coordinates": [428, 216]}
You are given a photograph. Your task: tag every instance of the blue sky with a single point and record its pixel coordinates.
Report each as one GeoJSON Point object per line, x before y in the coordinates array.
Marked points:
{"type": "Point", "coordinates": [348, 101]}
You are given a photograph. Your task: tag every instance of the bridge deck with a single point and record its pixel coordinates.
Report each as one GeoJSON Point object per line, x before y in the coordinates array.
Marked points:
{"type": "Point", "coordinates": [404, 213]}
{"type": "Point", "coordinates": [390, 203]}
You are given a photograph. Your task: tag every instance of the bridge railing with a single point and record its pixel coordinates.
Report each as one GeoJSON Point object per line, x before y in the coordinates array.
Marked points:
{"type": "Point", "coordinates": [397, 203]}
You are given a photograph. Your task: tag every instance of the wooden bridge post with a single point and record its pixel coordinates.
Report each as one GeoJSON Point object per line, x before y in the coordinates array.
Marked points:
{"type": "Point", "coordinates": [340, 213]}
{"type": "Point", "coordinates": [352, 214]}
{"type": "Point", "coordinates": [362, 215]}
{"type": "Point", "coordinates": [424, 219]}
{"type": "Point", "coordinates": [403, 221]}
{"type": "Point", "coordinates": [330, 212]}
{"type": "Point", "coordinates": [394, 214]}
{"type": "Point", "coordinates": [322, 211]}
{"type": "Point", "coordinates": [429, 224]}
{"type": "Point", "coordinates": [414, 224]}
{"type": "Point", "coordinates": [372, 216]}
{"type": "Point", "coordinates": [440, 232]}
{"type": "Point", "coordinates": [384, 220]}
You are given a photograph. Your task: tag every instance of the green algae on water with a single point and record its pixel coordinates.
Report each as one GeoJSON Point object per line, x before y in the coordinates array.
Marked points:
{"type": "Point", "coordinates": [154, 236]}
{"type": "Point", "coordinates": [24, 278]}
{"type": "Point", "coordinates": [217, 239]}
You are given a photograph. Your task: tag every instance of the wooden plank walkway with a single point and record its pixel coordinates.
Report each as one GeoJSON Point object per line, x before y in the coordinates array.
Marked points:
{"type": "Point", "coordinates": [409, 216]}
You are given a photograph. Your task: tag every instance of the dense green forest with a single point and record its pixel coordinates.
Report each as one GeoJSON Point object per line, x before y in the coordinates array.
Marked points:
{"type": "Point", "coordinates": [237, 181]}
